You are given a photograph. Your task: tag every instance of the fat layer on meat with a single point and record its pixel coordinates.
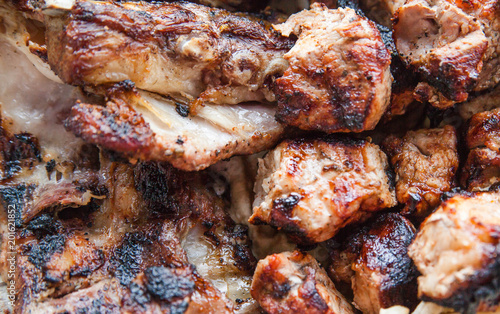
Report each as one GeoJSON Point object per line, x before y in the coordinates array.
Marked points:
{"type": "Point", "coordinates": [311, 188]}
{"type": "Point", "coordinates": [293, 282]}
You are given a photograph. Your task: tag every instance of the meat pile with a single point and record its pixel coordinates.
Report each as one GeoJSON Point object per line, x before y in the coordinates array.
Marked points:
{"type": "Point", "coordinates": [249, 156]}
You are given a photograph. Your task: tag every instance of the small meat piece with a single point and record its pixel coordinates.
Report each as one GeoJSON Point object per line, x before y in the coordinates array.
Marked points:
{"type": "Point", "coordinates": [374, 259]}
{"type": "Point", "coordinates": [457, 251]}
{"type": "Point", "coordinates": [425, 163]}
{"type": "Point", "coordinates": [485, 101]}
{"type": "Point", "coordinates": [293, 282]}
{"type": "Point", "coordinates": [339, 77]}
{"type": "Point", "coordinates": [453, 44]}
{"type": "Point", "coordinates": [311, 188]}
{"type": "Point", "coordinates": [184, 49]}
{"type": "Point", "coordinates": [482, 168]}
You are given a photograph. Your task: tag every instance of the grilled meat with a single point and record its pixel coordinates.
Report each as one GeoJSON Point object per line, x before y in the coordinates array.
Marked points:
{"type": "Point", "coordinates": [457, 252]}
{"type": "Point", "coordinates": [311, 188]}
{"type": "Point", "coordinates": [425, 162]}
{"type": "Point", "coordinates": [339, 78]}
{"type": "Point", "coordinates": [485, 101]}
{"type": "Point", "coordinates": [143, 125]}
{"type": "Point", "coordinates": [374, 259]}
{"type": "Point", "coordinates": [184, 49]}
{"type": "Point", "coordinates": [293, 282]}
{"type": "Point", "coordinates": [452, 44]}
{"type": "Point", "coordinates": [482, 168]}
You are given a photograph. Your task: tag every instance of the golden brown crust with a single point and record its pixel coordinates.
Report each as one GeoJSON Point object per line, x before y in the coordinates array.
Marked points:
{"type": "Point", "coordinates": [482, 168]}
{"type": "Point", "coordinates": [293, 282]}
{"type": "Point", "coordinates": [311, 188]}
{"type": "Point", "coordinates": [339, 78]}
{"type": "Point", "coordinates": [374, 258]}
{"type": "Point", "coordinates": [425, 163]}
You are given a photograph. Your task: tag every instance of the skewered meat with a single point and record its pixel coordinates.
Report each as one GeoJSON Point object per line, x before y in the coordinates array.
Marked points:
{"type": "Point", "coordinates": [339, 78]}
{"type": "Point", "coordinates": [374, 259]}
{"type": "Point", "coordinates": [425, 162]}
{"type": "Point", "coordinates": [452, 44]}
{"type": "Point", "coordinates": [311, 188]}
{"type": "Point", "coordinates": [146, 126]}
{"type": "Point", "coordinates": [457, 252]}
{"type": "Point", "coordinates": [293, 282]}
{"type": "Point", "coordinates": [482, 168]}
{"type": "Point", "coordinates": [182, 49]}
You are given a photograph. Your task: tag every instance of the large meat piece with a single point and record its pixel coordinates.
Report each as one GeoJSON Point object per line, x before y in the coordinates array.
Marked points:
{"type": "Point", "coordinates": [339, 77]}
{"type": "Point", "coordinates": [425, 163]}
{"type": "Point", "coordinates": [311, 188]}
{"type": "Point", "coordinates": [457, 251]}
{"type": "Point", "coordinates": [482, 168]}
{"type": "Point", "coordinates": [184, 49]}
{"type": "Point", "coordinates": [293, 282]}
{"type": "Point", "coordinates": [373, 258]}
{"type": "Point", "coordinates": [453, 44]}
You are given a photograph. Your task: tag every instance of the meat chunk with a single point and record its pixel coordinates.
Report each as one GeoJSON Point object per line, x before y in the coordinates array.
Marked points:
{"type": "Point", "coordinates": [146, 126]}
{"type": "Point", "coordinates": [374, 259]}
{"type": "Point", "coordinates": [293, 282]}
{"type": "Point", "coordinates": [482, 168]}
{"type": "Point", "coordinates": [311, 188]}
{"type": "Point", "coordinates": [339, 76]}
{"type": "Point", "coordinates": [425, 162]}
{"type": "Point", "coordinates": [184, 49]}
{"type": "Point", "coordinates": [452, 44]}
{"type": "Point", "coordinates": [480, 102]}
{"type": "Point", "coordinates": [457, 253]}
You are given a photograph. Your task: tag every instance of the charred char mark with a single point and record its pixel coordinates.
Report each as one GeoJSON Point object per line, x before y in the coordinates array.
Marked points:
{"type": "Point", "coordinates": [44, 225]}
{"type": "Point", "coordinates": [18, 151]}
{"type": "Point", "coordinates": [41, 252]}
{"type": "Point", "coordinates": [309, 292]}
{"type": "Point", "coordinates": [16, 197]}
{"type": "Point", "coordinates": [128, 257]}
{"type": "Point", "coordinates": [169, 284]}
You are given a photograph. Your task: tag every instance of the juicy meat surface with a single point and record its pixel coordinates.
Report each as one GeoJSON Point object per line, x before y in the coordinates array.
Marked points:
{"type": "Point", "coordinates": [339, 76]}
{"type": "Point", "coordinates": [373, 258]}
{"type": "Point", "coordinates": [425, 162]}
{"type": "Point", "coordinates": [453, 44]}
{"type": "Point", "coordinates": [457, 253]}
{"type": "Point", "coordinates": [293, 282]}
{"type": "Point", "coordinates": [482, 168]}
{"type": "Point", "coordinates": [145, 126]}
{"type": "Point", "coordinates": [201, 53]}
{"type": "Point", "coordinates": [311, 188]}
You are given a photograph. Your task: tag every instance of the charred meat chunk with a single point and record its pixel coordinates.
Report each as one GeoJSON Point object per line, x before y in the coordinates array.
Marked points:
{"type": "Point", "coordinates": [339, 76]}
{"type": "Point", "coordinates": [373, 258]}
{"type": "Point", "coordinates": [482, 168]}
{"type": "Point", "coordinates": [293, 282]}
{"type": "Point", "coordinates": [457, 251]}
{"type": "Point", "coordinates": [425, 162]}
{"type": "Point", "coordinates": [311, 188]}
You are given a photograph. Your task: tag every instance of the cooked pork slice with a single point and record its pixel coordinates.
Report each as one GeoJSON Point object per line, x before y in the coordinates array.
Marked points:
{"type": "Point", "coordinates": [485, 101]}
{"type": "Point", "coordinates": [339, 78]}
{"type": "Point", "coordinates": [143, 125]}
{"type": "Point", "coordinates": [457, 252]}
{"type": "Point", "coordinates": [240, 5]}
{"type": "Point", "coordinates": [374, 259]}
{"type": "Point", "coordinates": [453, 44]}
{"type": "Point", "coordinates": [202, 53]}
{"type": "Point", "coordinates": [482, 168]}
{"type": "Point", "coordinates": [311, 188]}
{"type": "Point", "coordinates": [293, 282]}
{"type": "Point", "coordinates": [425, 163]}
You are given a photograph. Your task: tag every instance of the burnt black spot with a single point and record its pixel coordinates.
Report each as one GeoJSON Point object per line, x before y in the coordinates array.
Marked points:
{"type": "Point", "coordinates": [18, 151]}
{"type": "Point", "coordinates": [280, 290]}
{"type": "Point", "coordinates": [40, 253]}
{"type": "Point", "coordinates": [139, 294]}
{"type": "Point", "coordinates": [100, 305]}
{"type": "Point", "coordinates": [44, 225]}
{"type": "Point", "coordinates": [179, 141]}
{"type": "Point", "coordinates": [50, 166]}
{"type": "Point", "coordinates": [182, 109]}
{"type": "Point", "coordinates": [154, 180]}
{"type": "Point", "coordinates": [309, 292]}
{"type": "Point", "coordinates": [127, 258]}
{"type": "Point", "coordinates": [16, 197]}
{"type": "Point", "coordinates": [286, 205]}
{"type": "Point", "coordinates": [163, 284]}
